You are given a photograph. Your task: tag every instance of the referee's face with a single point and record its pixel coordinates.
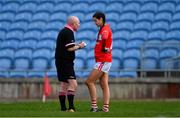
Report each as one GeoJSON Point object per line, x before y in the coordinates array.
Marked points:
{"type": "Point", "coordinates": [76, 25]}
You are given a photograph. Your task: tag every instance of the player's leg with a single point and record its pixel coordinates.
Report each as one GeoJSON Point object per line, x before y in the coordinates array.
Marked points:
{"type": "Point", "coordinates": [90, 82]}
{"type": "Point", "coordinates": [62, 95]}
{"type": "Point", "coordinates": [71, 90]}
{"type": "Point", "coordinates": [106, 93]}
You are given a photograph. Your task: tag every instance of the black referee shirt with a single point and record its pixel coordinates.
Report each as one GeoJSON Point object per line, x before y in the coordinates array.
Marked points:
{"type": "Point", "coordinates": [64, 41]}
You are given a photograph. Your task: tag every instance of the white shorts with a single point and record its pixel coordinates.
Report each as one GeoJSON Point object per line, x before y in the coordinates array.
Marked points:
{"type": "Point", "coordinates": [103, 66]}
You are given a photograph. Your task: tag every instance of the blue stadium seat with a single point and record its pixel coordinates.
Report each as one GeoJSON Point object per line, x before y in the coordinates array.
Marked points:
{"type": "Point", "coordinates": [177, 10]}
{"type": "Point", "coordinates": [128, 74]}
{"type": "Point", "coordinates": [42, 53]}
{"type": "Point", "coordinates": [86, 35]}
{"type": "Point", "coordinates": [150, 58]}
{"type": "Point", "coordinates": [79, 64]}
{"type": "Point", "coordinates": [173, 35]}
{"type": "Point", "coordinates": [28, 6]}
{"type": "Point", "coordinates": [49, 44]}
{"type": "Point", "coordinates": [80, 15]}
{"type": "Point", "coordinates": [88, 17]}
{"type": "Point", "coordinates": [56, 25]}
{"type": "Point", "coordinates": [11, 6]}
{"type": "Point", "coordinates": [28, 44]}
{"type": "Point", "coordinates": [37, 25]}
{"type": "Point", "coordinates": [116, 64]}
{"type": "Point", "coordinates": [175, 25]}
{"type": "Point", "coordinates": [156, 35]}
{"type": "Point", "coordinates": [49, 35]}
{"type": "Point", "coordinates": [112, 16]}
{"type": "Point", "coordinates": [60, 7]}
{"type": "Point", "coordinates": [7, 53]}
{"type": "Point", "coordinates": [167, 6]}
{"type": "Point", "coordinates": [32, 34]}
{"type": "Point", "coordinates": [176, 17]}
{"type": "Point", "coordinates": [15, 35]}
{"type": "Point", "coordinates": [98, 1]}
{"type": "Point", "coordinates": [131, 58]}
{"type": "Point", "coordinates": [149, 6]}
{"type": "Point", "coordinates": [139, 35]}
{"type": "Point", "coordinates": [90, 63]}
{"type": "Point", "coordinates": [46, 6]}
{"type": "Point", "coordinates": [143, 25]}
{"type": "Point", "coordinates": [97, 6]}
{"type": "Point", "coordinates": [4, 25]}
{"type": "Point", "coordinates": [117, 53]}
{"type": "Point", "coordinates": [7, 16]}
{"type": "Point", "coordinates": [128, 16]}
{"type": "Point", "coordinates": [80, 7]}
{"type": "Point", "coordinates": [23, 16]}
{"type": "Point", "coordinates": [160, 25]}
{"type": "Point", "coordinates": [132, 6]}
{"type": "Point", "coordinates": [58, 16]}
{"type": "Point", "coordinates": [88, 26]}
{"type": "Point", "coordinates": [41, 16]}
{"type": "Point", "coordinates": [125, 25]}
{"type": "Point", "coordinates": [119, 43]}
{"type": "Point", "coordinates": [115, 7]}
{"type": "Point", "coordinates": [90, 54]}
{"type": "Point", "coordinates": [10, 43]}
{"type": "Point", "coordinates": [2, 35]}
{"type": "Point", "coordinates": [163, 16]}
{"type": "Point", "coordinates": [135, 43]}
{"type": "Point", "coordinates": [19, 25]}
{"type": "Point", "coordinates": [81, 54]}
{"type": "Point", "coordinates": [122, 34]}
{"type": "Point", "coordinates": [52, 71]}
{"type": "Point", "coordinates": [146, 16]}
{"type": "Point", "coordinates": [165, 54]}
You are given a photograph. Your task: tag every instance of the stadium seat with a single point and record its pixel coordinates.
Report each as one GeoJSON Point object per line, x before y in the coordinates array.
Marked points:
{"type": "Point", "coordinates": [156, 35]}
{"type": "Point", "coordinates": [117, 53]}
{"type": "Point", "coordinates": [166, 54]}
{"type": "Point", "coordinates": [160, 25]}
{"type": "Point", "coordinates": [23, 16]}
{"type": "Point", "coordinates": [7, 53]}
{"type": "Point", "coordinates": [128, 16]}
{"type": "Point", "coordinates": [163, 16]}
{"type": "Point", "coordinates": [2, 35]}
{"type": "Point", "coordinates": [49, 35]}
{"type": "Point", "coordinates": [175, 26]}
{"type": "Point", "coordinates": [60, 7]}
{"type": "Point", "coordinates": [19, 25]}
{"type": "Point", "coordinates": [97, 6]}
{"type": "Point", "coordinates": [80, 15]}
{"type": "Point", "coordinates": [112, 16]}
{"type": "Point", "coordinates": [122, 34]}
{"type": "Point", "coordinates": [7, 16]}
{"type": "Point", "coordinates": [41, 16]}
{"type": "Point", "coordinates": [86, 35]}
{"type": "Point", "coordinates": [88, 26]}
{"type": "Point", "coordinates": [49, 44]}
{"type": "Point", "coordinates": [59, 16]}
{"type": "Point", "coordinates": [177, 10]}
{"type": "Point", "coordinates": [135, 43]}
{"type": "Point", "coordinates": [52, 71]}
{"type": "Point", "coordinates": [81, 54]}
{"type": "Point", "coordinates": [11, 6]}
{"type": "Point", "coordinates": [125, 25]}
{"type": "Point", "coordinates": [56, 25]}
{"type": "Point", "coordinates": [119, 43]}
{"type": "Point", "coordinates": [79, 64]}
{"type": "Point", "coordinates": [146, 16]}
{"type": "Point", "coordinates": [139, 35]}
{"type": "Point", "coordinates": [150, 6]}
{"type": "Point", "coordinates": [128, 74]}
{"type": "Point", "coordinates": [143, 25]}
{"type": "Point", "coordinates": [88, 17]}
{"type": "Point", "coordinates": [42, 53]}
{"type": "Point", "coordinates": [28, 44]}
{"type": "Point", "coordinates": [115, 7]}
{"type": "Point", "coordinates": [4, 25]}
{"type": "Point", "coordinates": [29, 6]}
{"type": "Point", "coordinates": [167, 6]}
{"type": "Point", "coordinates": [15, 35]}
{"type": "Point", "coordinates": [133, 6]}
{"type": "Point", "coordinates": [173, 35]}
{"type": "Point", "coordinates": [131, 58]}
{"type": "Point", "coordinates": [46, 6]}
{"type": "Point", "coordinates": [10, 43]}
{"type": "Point", "coordinates": [116, 64]}
{"type": "Point", "coordinates": [176, 17]}
{"type": "Point", "coordinates": [90, 63]}
{"type": "Point", "coordinates": [32, 34]}
{"type": "Point", "coordinates": [37, 25]}
{"type": "Point", "coordinates": [80, 7]}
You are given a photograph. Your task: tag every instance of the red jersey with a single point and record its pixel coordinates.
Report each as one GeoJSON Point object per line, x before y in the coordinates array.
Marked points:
{"type": "Point", "coordinates": [104, 41]}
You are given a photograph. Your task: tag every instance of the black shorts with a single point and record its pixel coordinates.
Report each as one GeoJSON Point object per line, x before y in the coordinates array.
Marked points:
{"type": "Point", "coordinates": [65, 70]}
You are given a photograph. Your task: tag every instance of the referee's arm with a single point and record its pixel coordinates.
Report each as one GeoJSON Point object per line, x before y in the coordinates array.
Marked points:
{"type": "Point", "coordinates": [73, 46]}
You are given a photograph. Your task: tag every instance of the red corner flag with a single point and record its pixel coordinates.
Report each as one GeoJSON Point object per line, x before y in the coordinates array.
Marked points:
{"type": "Point", "coordinates": [46, 88]}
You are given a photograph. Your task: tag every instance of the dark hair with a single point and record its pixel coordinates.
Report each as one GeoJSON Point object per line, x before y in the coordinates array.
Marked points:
{"type": "Point", "coordinates": [99, 15]}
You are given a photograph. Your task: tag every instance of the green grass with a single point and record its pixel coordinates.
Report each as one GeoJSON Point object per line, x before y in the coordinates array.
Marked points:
{"type": "Point", "coordinates": [117, 109]}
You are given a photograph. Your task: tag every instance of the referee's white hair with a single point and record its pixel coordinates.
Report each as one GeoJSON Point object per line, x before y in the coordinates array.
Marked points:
{"type": "Point", "coordinates": [72, 19]}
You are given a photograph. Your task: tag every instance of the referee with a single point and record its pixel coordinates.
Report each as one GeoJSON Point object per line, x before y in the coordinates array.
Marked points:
{"type": "Point", "coordinates": [64, 60]}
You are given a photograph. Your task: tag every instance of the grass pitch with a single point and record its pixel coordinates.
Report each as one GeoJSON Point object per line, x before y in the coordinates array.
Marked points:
{"type": "Point", "coordinates": [137, 108]}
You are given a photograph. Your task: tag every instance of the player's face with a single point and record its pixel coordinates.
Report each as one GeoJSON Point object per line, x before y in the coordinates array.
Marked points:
{"type": "Point", "coordinates": [98, 22]}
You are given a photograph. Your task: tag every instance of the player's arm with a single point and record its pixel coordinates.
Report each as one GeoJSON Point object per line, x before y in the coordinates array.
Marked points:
{"type": "Point", "coordinates": [107, 42]}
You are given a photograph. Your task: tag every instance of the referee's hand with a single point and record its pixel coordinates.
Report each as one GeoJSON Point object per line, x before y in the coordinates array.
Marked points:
{"type": "Point", "coordinates": [82, 44]}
